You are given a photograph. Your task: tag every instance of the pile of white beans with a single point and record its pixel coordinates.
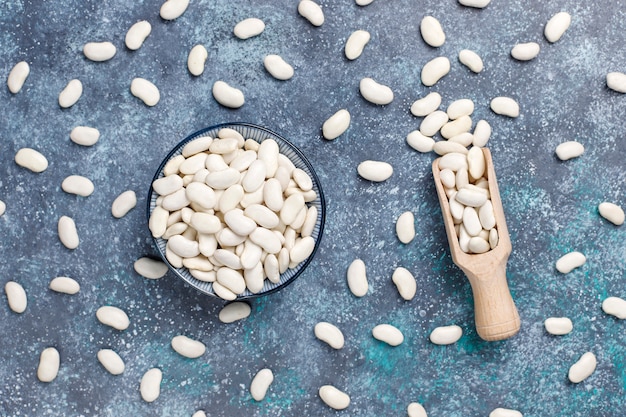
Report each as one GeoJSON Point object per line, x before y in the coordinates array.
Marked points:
{"type": "Point", "coordinates": [234, 212]}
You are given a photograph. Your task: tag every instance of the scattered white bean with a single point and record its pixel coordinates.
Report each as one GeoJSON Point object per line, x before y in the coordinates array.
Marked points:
{"type": "Point", "coordinates": [419, 142]}
{"type": "Point", "coordinates": [482, 133]}
{"type": "Point", "coordinates": [145, 91]}
{"type": "Point", "coordinates": [79, 185]}
{"type": "Point", "coordinates": [124, 203]}
{"type": "Point", "coordinates": [150, 386]}
{"type": "Point", "coordinates": [505, 106]}
{"type": "Point", "coordinates": [249, 28]}
{"type": "Point", "coordinates": [16, 296]}
{"type": "Point", "coordinates": [111, 361]}
{"type": "Point", "coordinates": [356, 43]}
{"type": "Point", "coordinates": [434, 70]}
{"type": "Point", "coordinates": [558, 326]}
{"type": "Point", "coordinates": [616, 81]}
{"type": "Point", "coordinates": [479, 4]}
{"type": "Point", "coordinates": [433, 123]}
{"type": "Point", "coordinates": [3, 207]}
{"type": "Point", "coordinates": [388, 334]}
{"type": "Point", "coordinates": [334, 398]}
{"type": "Point", "coordinates": [67, 232]}
{"type": "Point", "coordinates": [374, 92]}
{"type": "Point", "coordinates": [583, 368]}
{"type": "Point", "coordinates": [99, 51]}
{"type": "Point", "coordinates": [49, 362]}
{"type": "Point", "coordinates": [336, 124]}
{"type": "Point", "coordinates": [556, 26]}
{"type": "Point", "coordinates": [525, 51]}
{"type": "Point", "coordinates": [31, 159]}
{"type": "Point", "coordinates": [187, 347]}
{"type": "Point", "coordinates": [173, 9]}
{"type": "Point", "coordinates": [426, 105]}
{"type": "Point", "coordinates": [456, 127]}
{"type": "Point", "coordinates": [357, 278]}
{"type": "Point", "coordinates": [150, 268]}
{"type": "Point", "coordinates": [65, 285]}
{"type": "Point", "coordinates": [261, 383]}
{"type": "Point", "coordinates": [405, 227]}
{"type": "Point", "coordinates": [611, 212]}
{"type": "Point", "coordinates": [405, 283]}
{"type": "Point", "coordinates": [432, 32]}
{"type": "Point", "coordinates": [196, 59]}
{"type": "Point", "coordinates": [416, 410]}
{"type": "Point", "coordinates": [376, 171]}
{"type": "Point", "coordinates": [311, 11]}
{"type": "Point", "coordinates": [446, 335]}
{"type": "Point", "coordinates": [113, 317]}
{"type": "Point", "coordinates": [137, 34]}
{"type": "Point", "coordinates": [278, 67]}
{"type": "Point", "coordinates": [615, 306]}
{"type": "Point", "coordinates": [471, 60]}
{"type": "Point", "coordinates": [329, 333]}
{"type": "Point", "coordinates": [568, 150]}
{"type": "Point", "coordinates": [84, 135]}
{"type": "Point", "coordinates": [199, 413]}
{"type": "Point", "coordinates": [71, 93]}
{"type": "Point", "coordinates": [363, 2]}
{"type": "Point", "coordinates": [228, 96]}
{"type": "Point", "coordinates": [570, 261]}
{"type": "Point", "coordinates": [17, 76]}
{"type": "Point", "coordinates": [505, 412]}
{"type": "Point", "coordinates": [233, 312]}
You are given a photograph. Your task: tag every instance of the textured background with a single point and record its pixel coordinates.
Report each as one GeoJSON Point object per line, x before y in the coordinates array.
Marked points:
{"type": "Point", "coordinates": [551, 209]}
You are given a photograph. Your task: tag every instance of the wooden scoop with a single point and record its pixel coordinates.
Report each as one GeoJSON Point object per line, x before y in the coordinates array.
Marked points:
{"type": "Point", "coordinates": [495, 314]}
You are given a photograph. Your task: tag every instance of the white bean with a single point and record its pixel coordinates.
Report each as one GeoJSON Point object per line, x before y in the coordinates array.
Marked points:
{"type": "Point", "coordinates": [465, 139]}
{"type": "Point", "coordinates": [556, 26]}
{"type": "Point", "coordinates": [453, 161]}
{"type": "Point", "coordinates": [336, 124]}
{"type": "Point", "coordinates": [405, 227]}
{"type": "Point", "coordinates": [434, 70]}
{"type": "Point", "coordinates": [262, 215]}
{"type": "Point", "coordinates": [482, 133]}
{"type": "Point", "coordinates": [199, 413]}
{"type": "Point", "coordinates": [615, 306]}
{"type": "Point", "coordinates": [333, 397]}
{"type": "Point", "coordinates": [49, 362]}
{"type": "Point", "coordinates": [470, 197]}
{"type": "Point", "coordinates": [558, 326]}
{"type": "Point", "coordinates": [278, 67]}
{"type": "Point", "coordinates": [616, 81]}
{"type": "Point", "coordinates": [416, 410]}
{"type": "Point", "coordinates": [187, 347]}
{"type": "Point", "coordinates": [3, 207]}
{"type": "Point", "coordinates": [433, 123]}
{"type": "Point", "coordinates": [261, 383]}
{"type": "Point", "coordinates": [84, 135]}
{"type": "Point", "coordinates": [456, 127]}
{"type": "Point", "coordinates": [71, 93]}
{"type": "Point", "coordinates": [123, 203]}
{"type": "Point", "coordinates": [239, 223]}
{"type": "Point", "coordinates": [505, 412]}
{"type": "Point", "coordinates": [223, 292]}
{"type": "Point", "coordinates": [471, 60]}
{"type": "Point", "coordinates": [291, 207]}
{"type": "Point", "coordinates": [419, 142]}
{"type": "Point", "coordinates": [611, 212]}
{"type": "Point", "coordinates": [31, 159]}
{"type": "Point", "coordinates": [231, 279]}
{"type": "Point", "coordinates": [150, 386]}
{"type": "Point", "coordinates": [233, 312]}
{"type": "Point", "coordinates": [426, 105]}
{"type": "Point", "coordinates": [374, 92]}
{"type": "Point", "coordinates": [64, 285]}
{"type": "Point", "coordinates": [446, 335]}
{"type": "Point", "coordinates": [67, 232]}
{"type": "Point", "coordinates": [505, 106]}
{"type": "Point", "coordinates": [99, 51]}
{"type": "Point", "coordinates": [249, 28]}
{"type": "Point", "coordinates": [196, 59]}
{"type": "Point", "coordinates": [405, 283]}
{"type": "Point", "coordinates": [388, 334]}
{"type": "Point", "coordinates": [79, 185]}
{"type": "Point", "coordinates": [487, 216]}
{"type": "Point", "coordinates": [145, 91]}
{"type": "Point", "coordinates": [150, 268]}
{"type": "Point", "coordinates": [570, 261]}
{"type": "Point", "coordinates": [583, 368]}
{"type": "Point", "coordinates": [228, 96]}
{"type": "Point", "coordinates": [357, 278]}
{"type": "Point", "coordinates": [137, 34]}
{"type": "Point", "coordinates": [302, 249]}
{"type": "Point", "coordinates": [113, 316]}
{"type": "Point", "coordinates": [158, 221]}
{"type": "Point", "coordinates": [432, 32]}
{"type": "Point", "coordinates": [356, 43]}
{"type": "Point", "coordinates": [266, 239]}
{"type": "Point", "coordinates": [476, 163]}
{"type": "Point", "coordinates": [329, 333]}
{"type": "Point", "coordinates": [479, 4]}
{"type": "Point", "coordinates": [363, 2]}
{"type": "Point", "coordinates": [16, 297]}
{"type": "Point", "coordinates": [173, 9]}
{"type": "Point", "coordinates": [111, 361]}
{"type": "Point", "coordinates": [376, 171]}
{"type": "Point", "coordinates": [525, 51]}
{"type": "Point", "coordinates": [459, 108]}
{"type": "Point", "coordinates": [568, 150]}
{"type": "Point", "coordinates": [17, 76]}
{"type": "Point", "coordinates": [478, 245]}
{"type": "Point", "coordinates": [311, 11]}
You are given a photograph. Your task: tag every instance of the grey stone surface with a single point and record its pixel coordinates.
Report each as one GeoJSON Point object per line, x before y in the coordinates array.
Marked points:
{"type": "Point", "coordinates": [551, 209]}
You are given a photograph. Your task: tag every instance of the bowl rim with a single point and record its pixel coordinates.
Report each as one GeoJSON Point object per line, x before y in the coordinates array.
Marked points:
{"type": "Point", "coordinates": [320, 196]}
